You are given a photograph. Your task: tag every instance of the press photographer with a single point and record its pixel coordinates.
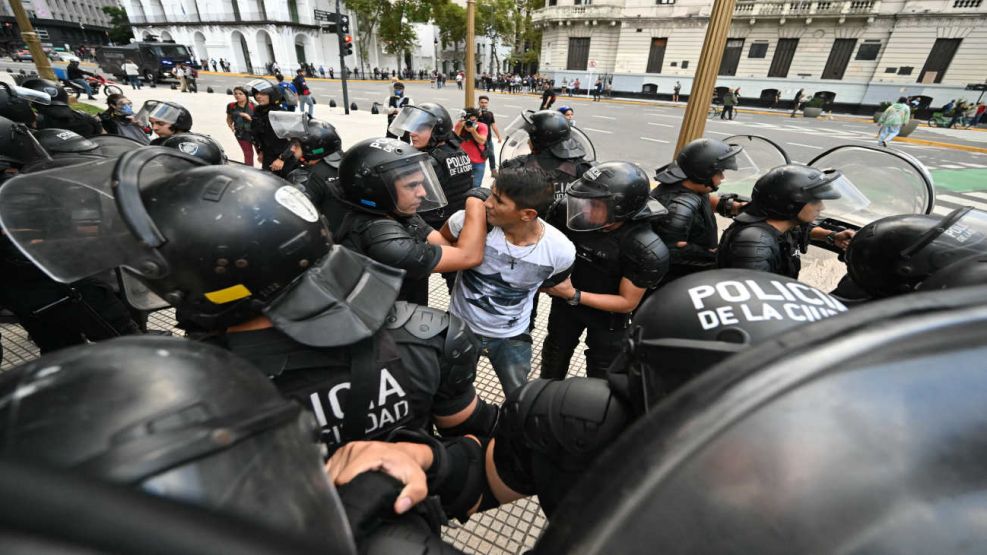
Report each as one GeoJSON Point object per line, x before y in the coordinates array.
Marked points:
{"type": "Point", "coordinates": [474, 135]}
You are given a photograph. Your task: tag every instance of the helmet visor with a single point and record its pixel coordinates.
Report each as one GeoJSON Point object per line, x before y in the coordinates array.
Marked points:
{"type": "Point", "coordinates": [67, 223]}
{"type": "Point", "coordinates": [413, 187]}
{"type": "Point", "coordinates": [412, 119]}
{"type": "Point", "coordinates": [27, 149]}
{"type": "Point", "coordinates": [289, 125]}
{"type": "Point", "coordinates": [31, 95]}
{"type": "Point", "coordinates": [588, 213]}
{"type": "Point", "coordinates": [262, 86]}
{"type": "Point", "coordinates": [159, 111]}
{"type": "Point", "coordinates": [840, 194]}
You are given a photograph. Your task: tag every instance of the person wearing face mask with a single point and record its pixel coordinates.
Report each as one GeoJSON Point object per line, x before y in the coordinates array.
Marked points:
{"type": "Point", "coordinates": [775, 227]}
{"type": "Point", "coordinates": [118, 119]}
{"type": "Point", "coordinates": [395, 103]}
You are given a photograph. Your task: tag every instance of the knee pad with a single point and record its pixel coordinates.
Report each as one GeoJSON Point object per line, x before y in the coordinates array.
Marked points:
{"type": "Point", "coordinates": [464, 479]}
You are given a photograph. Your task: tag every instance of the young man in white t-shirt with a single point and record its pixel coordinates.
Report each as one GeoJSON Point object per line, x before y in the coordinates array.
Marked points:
{"type": "Point", "coordinates": [522, 254]}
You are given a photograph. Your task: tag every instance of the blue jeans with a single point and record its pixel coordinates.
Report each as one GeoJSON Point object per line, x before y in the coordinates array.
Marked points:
{"type": "Point", "coordinates": [306, 100]}
{"type": "Point", "coordinates": [510, 358]}
{"type": "Point", "coordinates": [888, 132]}
{"type": "Point", "coordinates": [478, 170]}
{"type": "Point", "coordinates": [135, 81]}
{"type": "Point", "coordinates": [85, 86]}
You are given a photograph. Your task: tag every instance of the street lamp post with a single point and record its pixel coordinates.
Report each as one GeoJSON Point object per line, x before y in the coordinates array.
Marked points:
{"type": "Point", "coordinates": [470, 51]}
{"type": "Point", "coordinates": [33, 43]}
{"type": "Point", "coordinates": [694, 121]}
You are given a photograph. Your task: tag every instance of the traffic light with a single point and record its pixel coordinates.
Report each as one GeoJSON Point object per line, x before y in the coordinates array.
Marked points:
{"type": "Point", "coordinates": [348, 39]}
{"type": "Point", "coordinates": [344, 24]}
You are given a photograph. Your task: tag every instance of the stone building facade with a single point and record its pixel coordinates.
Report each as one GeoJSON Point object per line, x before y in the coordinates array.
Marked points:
{"type": "Point", "coordinates": [863, 51]}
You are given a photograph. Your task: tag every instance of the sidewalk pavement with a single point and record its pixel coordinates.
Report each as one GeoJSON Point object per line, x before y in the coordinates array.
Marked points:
{"type": "Point", "coordinates": [209, 117]}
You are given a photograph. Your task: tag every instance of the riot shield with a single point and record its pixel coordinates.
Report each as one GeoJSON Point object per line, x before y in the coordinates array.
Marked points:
{"type": "Point", "coordinates": [757, 157]}
{"type": "Point", "coordinates": [893, 183]}
{"type": "Point", "coordinates": [516, 143]}
{"type": "Point", "coordinates": [860, 434]}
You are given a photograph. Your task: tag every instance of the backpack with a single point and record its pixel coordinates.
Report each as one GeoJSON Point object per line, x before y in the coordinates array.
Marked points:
{"type": "Point", "coordinates": [288, 94]}
{"type": "Point", "coordinates": [195, 73]}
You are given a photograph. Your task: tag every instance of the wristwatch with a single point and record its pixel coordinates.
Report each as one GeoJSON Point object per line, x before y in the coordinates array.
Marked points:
{"type": "Point", "coordinates": [831, 238]}
{"type": "Point", "coordinates": [574, 301]}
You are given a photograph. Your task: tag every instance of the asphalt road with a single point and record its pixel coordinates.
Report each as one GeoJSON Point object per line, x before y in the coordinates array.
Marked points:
{"type": "Point", "coordinates": [646, 133]}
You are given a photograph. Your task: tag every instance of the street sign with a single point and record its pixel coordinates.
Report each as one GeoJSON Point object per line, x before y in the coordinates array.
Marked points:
{"type": "Point", "coordinates": [322, 15]}
{"type": "Point", "coordinates": [977, 87]}
{"type": "Point", "coordinates": [592, 64]}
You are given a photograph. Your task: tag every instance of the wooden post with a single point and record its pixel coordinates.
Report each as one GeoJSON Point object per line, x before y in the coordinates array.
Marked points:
{"type": "Point", "coordinates": [33, 43]}
{"type": "Point", "coordinates": [694, 121]}
{"type": "Point", "coordinates": [470, 75]}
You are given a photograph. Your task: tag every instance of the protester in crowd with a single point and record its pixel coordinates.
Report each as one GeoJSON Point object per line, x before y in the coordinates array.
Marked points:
{"type": "Point", "coordinates": [305, 98]}
{"type": "Point", "coordinates": [239, 115]}
{"type": "Point", "coordinates": [118, 119]}
{"type": "Point", "coordinates": [891, 121]}
{"type": "Point", "coordinates": [133, 74]}
{"type": "Point", "coordinates": [547, 97]}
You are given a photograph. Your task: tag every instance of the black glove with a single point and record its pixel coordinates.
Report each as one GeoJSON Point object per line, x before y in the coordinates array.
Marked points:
{"type": "Point", "coordinates": [478, 192]}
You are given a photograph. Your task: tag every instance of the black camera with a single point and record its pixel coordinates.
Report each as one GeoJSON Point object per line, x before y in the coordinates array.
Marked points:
{"type": "Point", "coordinates": [469, 123]}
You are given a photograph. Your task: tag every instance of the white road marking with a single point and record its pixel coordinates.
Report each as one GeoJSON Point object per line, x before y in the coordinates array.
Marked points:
{"type": "Point", "coordinates": [951, 167]}
{"type": "Point", "coordinates": [654, 140]}
{"type": "Point", "coordinates": [805, 146]}
{"type": "Point", "coordinates": [962, 201]}
{"type": "Point", "coordinates": [360, 98]}
{"type": "Point", "coordinates": [665, 115]}
{"type": "Point", "coordinates": [603, 117]}
{"type": "Point", "coordinates": [660, 124]}
{"type": "Point", "coordinates": [978, 195]}
{"type": "Point", "coordinates": [719, 133]}
{"type": "Point", "coordinates": [941, 210]}
{"type": "Point", "coordinates": [512, 106]}
{"type": "Point", "coordinates": [598, 130]}
{"type": "Point", "coordinates": [969, 165]}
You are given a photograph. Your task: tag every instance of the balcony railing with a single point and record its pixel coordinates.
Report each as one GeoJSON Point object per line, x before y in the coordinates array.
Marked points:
{"type": "Point", "coordinates": [590, 12]}
{"type": "Point", "coordinates": [242, 16]}
{"type": "Point", "coordinates": [805, 9]}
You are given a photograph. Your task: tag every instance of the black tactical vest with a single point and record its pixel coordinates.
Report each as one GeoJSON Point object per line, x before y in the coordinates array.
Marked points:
{"type": "Point", "coordinates": [455, 173]}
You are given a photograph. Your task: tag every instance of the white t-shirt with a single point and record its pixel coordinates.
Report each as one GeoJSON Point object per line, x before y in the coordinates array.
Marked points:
{"type": "Point", "coordinates": [495, 298]}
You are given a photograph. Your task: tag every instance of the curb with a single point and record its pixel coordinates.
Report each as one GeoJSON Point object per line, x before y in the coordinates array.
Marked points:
{"type": "Point", "coordinates": [326, 79]}
{"type": "Point", "coordinates": [952, 146]}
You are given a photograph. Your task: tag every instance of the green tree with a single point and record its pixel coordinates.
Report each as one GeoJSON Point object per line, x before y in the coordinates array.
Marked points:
{"type": "Point", "coordinates": [527, 39]}
{"type": "Point", "coordinates": [120, 31]}
{"type": "Point", "coordinates": [391, 22]}
{"type": "Point", "coordinates": [450, 18]}
{"type": "Point", "coordinates": [495, 20]}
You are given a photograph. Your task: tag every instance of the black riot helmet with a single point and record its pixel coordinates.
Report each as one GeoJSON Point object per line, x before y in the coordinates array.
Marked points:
{"type": "Point", "coordinates": [548, 130]}
{"type": "Point", "coordinates": [414, 119]}
{"type": "Point", "coordinates": [608, 193]}
{"type": "Point", "coordinates": [317, 139]}
{"type": "Point", "coordinates": [263, 86]}
{"type": "Point", "coordinates": [201, 146]}
{"type": "Point", "coordinates": [63, 141]}
{"type": "Point", "coordinates": [700, 161]}
{"type": "Point", "coordinates": [218, 241]}
{"type": "Point", "coordinates": [970, 271]}
{"type": "Point", "coordinates": [55, 91]}
{"type": "Point", "coordinates": [18, 146]}
{"type": "Point", "coordinates": [895, 254]}
{"type": "Point", "coordinates": [781, 193]}
{"type": "Point", "coordinates": [690, 324]}
{"type": "Point", "coordinates": [169, 112]}
{"type": "Point", "coordinates": [387, 176]}
{"type": "Point", "coordinates": [16, 102]}
{"type": "Point", "coordinates": [175, 419]}
{"type": "Point", "coordinates": [861, 435]}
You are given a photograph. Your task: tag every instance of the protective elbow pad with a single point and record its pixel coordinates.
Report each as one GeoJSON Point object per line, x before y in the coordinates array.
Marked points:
{"type": "Point", "coordinates": [482, 421]}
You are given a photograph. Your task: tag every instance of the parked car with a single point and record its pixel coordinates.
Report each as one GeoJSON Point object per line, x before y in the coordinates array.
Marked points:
{"type": "Point", "coordinates": [65, 57]}
{"type": "Point", "coordinates": [22, 56]}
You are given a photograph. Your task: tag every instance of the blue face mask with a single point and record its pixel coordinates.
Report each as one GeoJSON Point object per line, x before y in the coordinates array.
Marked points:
{"type": "Point", "coordinates": [398, 92]}
{"type": "Point", "coordinates": [127, 110]}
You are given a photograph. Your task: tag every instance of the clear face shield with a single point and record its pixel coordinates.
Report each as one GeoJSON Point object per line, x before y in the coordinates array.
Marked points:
{"type": "Point", "coordinates": [27, 148]}
{"type": "Point", "coordinates": [158, 111]}
{"type": "Point", "coordinates": [412, 119]}
{"type": "Point", "coordinates": [30, 95]}
{"type": "Point", "coordinates": [588, 206]}
{"type": "Point", "coordinates": [289, 125]}
{"type": "Point", "coordinates": [413, 187]}
{"type": "Point", "coordinates": [841, 196]}
{"type": "Point", "coordinates": [262, 86]}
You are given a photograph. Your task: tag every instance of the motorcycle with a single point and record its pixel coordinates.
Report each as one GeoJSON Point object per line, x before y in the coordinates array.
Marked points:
{"type": "Point", "coordinates": [96, 82]}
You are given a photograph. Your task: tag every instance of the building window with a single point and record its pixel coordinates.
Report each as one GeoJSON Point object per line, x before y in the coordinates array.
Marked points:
{"type": "Point", "coordinates": [890, 70]}
{"type": "Point", "coordinates": [905, 70]}
{"type": "Point", "coordinates": [758, 50]}
{"type": "Point", "coordinates": [578, 53]}
{"type": "Point", "coordinates": [664, 2]}
{"type": "Point", "coordinates": [657, 55]}
{"type": "Point", "coordinates": [966, 3]}
{"type": "Point", "coordinates": [782, 60]}
{"type": "Point", "coordinates": [839, 57]}
{"type": "Point", "coordinates": [553, 2]}
{"type": "Point", "coordinates": [731, 56]}
{"type": "Point", "coordinates": [868, 51]}
{"type": "Point", "coordinates": [939, 59]}
{"type": "Point", "coordinates": [685, 64]}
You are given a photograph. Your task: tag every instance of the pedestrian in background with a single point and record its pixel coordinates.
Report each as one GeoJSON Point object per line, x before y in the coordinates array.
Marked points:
{"type": "Point", "coordinates": [981, 108]}
{"type": "Point", "coordinates": [305, 98]}
{"type": "Point", "coordinates": [798, 101]}
{"type": "Point", "coordinates": [487, 117]}
{"type": "Point", "coordinates": [133, 74]}
{"type": "Point", "coordinates": [575, 87]}
{"type": "Point", "coordinates": [180, 74]}
{"type": "Point", "coordinates": [289, 94]}
{"type": "Point", "coordinates": [675, 91]}
{"type": "Point", "coordinates": [729, 101]}
{"type": "Point", "coordinates": [891, 121]}
{"type": "Point", "coordinates": [192, 78]}
{"type": "Point", "coordinates": [239, 114]}
{"type": "Point", "coordinates": [597, 90]}
{"type": "Point", "coordinates": [547, 97]}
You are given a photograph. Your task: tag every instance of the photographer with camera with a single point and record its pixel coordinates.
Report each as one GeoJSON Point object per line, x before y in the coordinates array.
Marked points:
{"type": "Point", "coordinates": [474, 135]}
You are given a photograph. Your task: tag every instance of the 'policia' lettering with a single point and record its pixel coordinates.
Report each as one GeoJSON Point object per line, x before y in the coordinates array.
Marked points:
{"type": "Point", "coordinates": [734, 302]}
{"type": "Point", "coordinates": [389, 408]}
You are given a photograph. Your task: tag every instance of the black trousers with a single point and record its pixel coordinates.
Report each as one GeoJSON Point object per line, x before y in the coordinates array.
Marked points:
{"type": "Point", "coordinates": [604, 334]}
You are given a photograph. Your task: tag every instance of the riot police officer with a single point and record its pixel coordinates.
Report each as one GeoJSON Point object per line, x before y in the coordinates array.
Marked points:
{"type": "Point", "coordinates": [430, 129]}
{"type": "Point", "coordinates": [16, 103]}
{"type": "Point", "coordinates": [272, 150]}
{"type": "Point", "coordinates": [607, 215]}
{"type": "Point", "coordinates": [317, 147]}
{"type": "Point", "coordinates": [775, 228]}
{"type": "Point", "coordinates": [201, 146]}
{"type": "Point", "coordinates": [686, 188]}
{"type": "Point", "coordinates": [895, 255]}
{"type": "Point", "coordinates": [387, 185]}
{"type": "Point", "coordinates": [18, 148]}
{"type": "Point", "coordinates": [165, 119]}
{"type": "Point", "coordinates": [553, 149]}
{"type": "Point", "coordinates": [57, 114]}
{"type": "Point", "coordinates": [395, 104]}
{"type": "Point", "coordinates": [245, 255]}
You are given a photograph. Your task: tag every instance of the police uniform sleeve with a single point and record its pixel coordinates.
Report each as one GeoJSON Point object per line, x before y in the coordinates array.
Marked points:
{"type": "Point", "coordinates": [750, 247]}
{"type": "Point", "coordinates": [388, 242]}
{"type": "Point", "coordinates": [675, 226]}
{"type": "Point", "coordinates": [644, 257]}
